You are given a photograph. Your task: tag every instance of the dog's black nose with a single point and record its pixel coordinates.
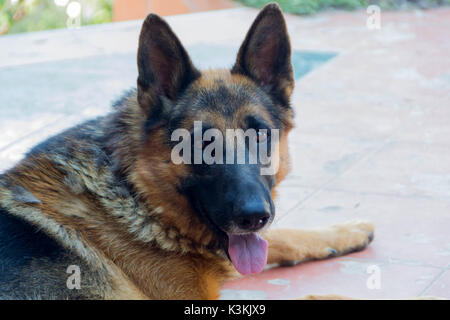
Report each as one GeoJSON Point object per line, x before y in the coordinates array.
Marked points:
{"type": "Point", "coordinates": [253, 216]}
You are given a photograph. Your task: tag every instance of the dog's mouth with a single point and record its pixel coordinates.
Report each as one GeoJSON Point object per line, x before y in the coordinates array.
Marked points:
{"type": "Point", "coordinates": [247, 252]}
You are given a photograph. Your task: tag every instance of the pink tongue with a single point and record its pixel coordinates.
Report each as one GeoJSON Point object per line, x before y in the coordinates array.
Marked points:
{"type": "Point", "coordinates": [248, 252]}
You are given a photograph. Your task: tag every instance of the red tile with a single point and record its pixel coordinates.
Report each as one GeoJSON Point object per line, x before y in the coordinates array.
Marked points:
{"type": "Point", "coordinates": [346, 277]}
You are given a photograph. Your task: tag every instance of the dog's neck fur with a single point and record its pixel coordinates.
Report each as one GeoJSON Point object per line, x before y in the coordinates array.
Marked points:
{"type": "Point", "coordinates": [131, 156]}
{"type": "Point", "coordinates": [96, 186]}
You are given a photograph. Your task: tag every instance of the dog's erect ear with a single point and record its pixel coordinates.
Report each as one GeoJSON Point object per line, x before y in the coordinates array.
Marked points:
{"type": "Point", "coordinates": [164, 66]}
{"type": "Point", "coordinates": [265, 54]}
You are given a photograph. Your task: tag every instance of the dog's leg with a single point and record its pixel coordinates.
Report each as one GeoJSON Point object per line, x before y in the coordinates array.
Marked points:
{"type": "Point", "coordinates": [290, 246]}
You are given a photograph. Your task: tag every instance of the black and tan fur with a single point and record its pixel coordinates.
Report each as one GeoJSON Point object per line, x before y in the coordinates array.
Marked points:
{"type": "Point", "coordinates": [105, 195]}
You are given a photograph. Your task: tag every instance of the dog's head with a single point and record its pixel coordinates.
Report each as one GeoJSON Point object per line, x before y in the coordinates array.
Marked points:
{"type": "Point", "coordinates": [195, 114]}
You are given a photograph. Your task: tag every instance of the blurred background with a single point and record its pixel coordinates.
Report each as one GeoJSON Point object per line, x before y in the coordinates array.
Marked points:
{"type": "Point", "coordinates": [372, 104]}
{"type": "Point", "coordinates": [18, 16]}
{"type": "Point", "coordinates": [372, 101]}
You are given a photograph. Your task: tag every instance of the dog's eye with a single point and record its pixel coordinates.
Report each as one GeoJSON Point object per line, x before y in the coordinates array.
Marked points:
{"type": "Point", "coordinates": [262, 135]}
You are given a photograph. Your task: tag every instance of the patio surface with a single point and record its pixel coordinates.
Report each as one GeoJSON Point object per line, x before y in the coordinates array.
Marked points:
{"type": "Point", "coordinates": [372, 139]}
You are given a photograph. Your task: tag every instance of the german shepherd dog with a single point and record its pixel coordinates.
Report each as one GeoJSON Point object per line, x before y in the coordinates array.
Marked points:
{"type": "Point", "coordinates": [105, 198]}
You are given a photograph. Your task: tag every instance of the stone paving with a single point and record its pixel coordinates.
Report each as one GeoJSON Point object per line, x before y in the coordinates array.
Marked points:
{"type": "Point", "coordinates": [372, 139]}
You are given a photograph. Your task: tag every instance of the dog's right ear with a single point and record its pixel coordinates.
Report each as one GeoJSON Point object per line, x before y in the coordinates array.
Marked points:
{"type": "Point", "coordinates": [164, 66]}
{"type": "Point", "coordinates": [265, 54]}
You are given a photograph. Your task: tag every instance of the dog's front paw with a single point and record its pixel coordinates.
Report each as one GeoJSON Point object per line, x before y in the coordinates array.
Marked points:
{"type": "Point", "coordinates": [349, 237]}
{"type": "Point", "coordinates": [289, 246]}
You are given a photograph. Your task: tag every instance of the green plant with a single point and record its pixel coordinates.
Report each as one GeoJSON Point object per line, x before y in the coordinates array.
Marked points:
{"type": "Point", "coordinates": [305, 7]}
{"type": "Point", "coordinates": [33, 15]}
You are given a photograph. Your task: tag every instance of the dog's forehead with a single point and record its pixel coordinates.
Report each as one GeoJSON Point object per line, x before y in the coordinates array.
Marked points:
{"type": "Point", "coordinates": [211, 78]}
{"type": "Point", "coordinates": [223, 90]}
{"type": "Point", "coordinates": [222, 99]}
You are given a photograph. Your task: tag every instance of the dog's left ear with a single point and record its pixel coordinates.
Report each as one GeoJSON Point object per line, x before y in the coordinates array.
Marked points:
{"type": "Point", "coordinates": [265, 54]}
{"type": "Point", "coordinates": [164, 66]}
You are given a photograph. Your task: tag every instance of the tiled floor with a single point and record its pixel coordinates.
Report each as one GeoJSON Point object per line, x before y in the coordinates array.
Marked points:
{"type": "Point", "coordinates": [372, 137]}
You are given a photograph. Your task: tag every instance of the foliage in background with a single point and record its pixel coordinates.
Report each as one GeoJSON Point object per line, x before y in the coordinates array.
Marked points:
{"type": "Point", "coordinates": [33, 15]}
{"type": "Point", "coordinates": [305, 7]}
